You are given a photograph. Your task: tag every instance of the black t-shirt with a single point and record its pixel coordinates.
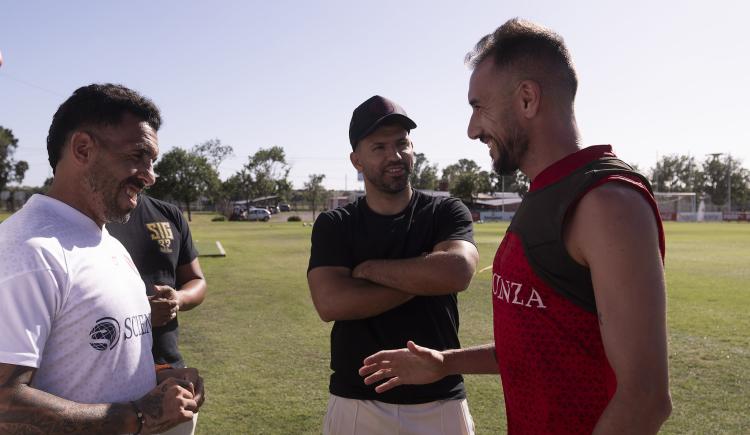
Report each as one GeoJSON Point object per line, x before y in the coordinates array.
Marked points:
{"type": "Point", "coordinates": [352, 234]}
{"type": "Point", "coordinates": [158, 239]}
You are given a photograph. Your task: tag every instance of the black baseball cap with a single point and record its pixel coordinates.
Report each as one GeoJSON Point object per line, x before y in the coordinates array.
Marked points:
{"type": "Point", "coordinates": [369, 115]}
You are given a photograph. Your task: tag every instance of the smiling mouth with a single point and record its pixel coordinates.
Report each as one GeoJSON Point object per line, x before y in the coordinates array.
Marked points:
{"type": "Point", "coordinates": [395, 170]}
{"type": "Point", "coordinates": [132, 190]}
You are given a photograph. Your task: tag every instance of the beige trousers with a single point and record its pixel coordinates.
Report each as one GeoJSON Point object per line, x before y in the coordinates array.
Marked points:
{"type": "Point", "coordinates": [369, 417]}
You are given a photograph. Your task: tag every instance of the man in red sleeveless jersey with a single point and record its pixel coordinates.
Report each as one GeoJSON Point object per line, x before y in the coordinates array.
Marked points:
{"type": "Point", "coordinates": [578, 280]}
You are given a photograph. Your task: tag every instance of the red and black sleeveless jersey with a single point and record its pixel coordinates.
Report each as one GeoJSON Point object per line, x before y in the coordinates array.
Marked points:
{"type": "Point", "coordinates": [555, 374]}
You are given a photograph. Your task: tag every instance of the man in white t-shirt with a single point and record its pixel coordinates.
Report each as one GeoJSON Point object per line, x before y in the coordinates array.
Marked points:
{"type": "Point", "coordinates": [75, 341]}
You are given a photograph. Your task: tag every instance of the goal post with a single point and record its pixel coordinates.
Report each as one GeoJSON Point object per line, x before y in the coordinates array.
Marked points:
{"type": "Point", "coordinates": [678, 206]}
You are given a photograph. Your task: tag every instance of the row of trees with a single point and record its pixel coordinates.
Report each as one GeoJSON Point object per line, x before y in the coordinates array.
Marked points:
{"type": "Point", "coordinates": [718, 177]}
{"type": "Point", "coordinates": [464, 179]}
{"type": "Point", "coordinates": [185, 175]}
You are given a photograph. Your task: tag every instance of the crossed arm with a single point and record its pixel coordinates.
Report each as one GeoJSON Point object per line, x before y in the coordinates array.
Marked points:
{"type": "Point", "coordinates": [26, 410]}
{"type": "Point", "coordinates": [376, 286]}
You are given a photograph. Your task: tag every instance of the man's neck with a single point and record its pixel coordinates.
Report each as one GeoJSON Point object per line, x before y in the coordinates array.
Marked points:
{"type": "Point", "coordinates": [388, 203]}
{"type": "Point", "coordinates": [75, 200]}
{"type": "Point", "coordinates": [550, 145]}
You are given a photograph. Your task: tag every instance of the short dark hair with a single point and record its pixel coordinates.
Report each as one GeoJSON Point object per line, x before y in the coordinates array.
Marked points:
{"type": "Point", "coordinates": [533, 51]}
{"type": "Point", "coordinates": [97, 105]}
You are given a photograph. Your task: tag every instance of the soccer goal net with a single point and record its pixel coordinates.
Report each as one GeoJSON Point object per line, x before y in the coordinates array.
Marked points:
{"type": "Point", "coordinates": [677, 206]}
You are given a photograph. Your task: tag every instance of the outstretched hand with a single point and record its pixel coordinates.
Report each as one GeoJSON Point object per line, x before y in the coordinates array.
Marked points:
{"type": "Point", "coordinates": [411, 365]}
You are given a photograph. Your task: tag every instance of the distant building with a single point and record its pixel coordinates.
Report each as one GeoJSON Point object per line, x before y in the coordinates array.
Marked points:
{"type": "Point", "coordinates": [496, 206]}
{"type": "Point", "coordinates": [342, 198]}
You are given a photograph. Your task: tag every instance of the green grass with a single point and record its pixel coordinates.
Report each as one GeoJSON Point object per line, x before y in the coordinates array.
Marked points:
{"type": "Point", "coordinates": [262, 348]}
{"type": "Point", "coordinates": [264, 352]}
{"type": "Point", "coordinates": [708, 271]}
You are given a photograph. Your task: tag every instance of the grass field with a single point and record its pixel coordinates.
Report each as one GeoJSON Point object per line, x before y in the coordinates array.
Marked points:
{"type": "Point", "coordinates": [264, 352]}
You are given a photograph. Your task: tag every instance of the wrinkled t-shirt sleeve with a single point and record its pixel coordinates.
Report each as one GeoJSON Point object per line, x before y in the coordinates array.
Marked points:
{"type": "Point", "coordinates": [454, 222]}
{"type": "Point", "coordinates": [29, 302]}
{"type": "Point", "coordinates": [328, 243]}
{"type": "Point", "coordinates": [188, 252]}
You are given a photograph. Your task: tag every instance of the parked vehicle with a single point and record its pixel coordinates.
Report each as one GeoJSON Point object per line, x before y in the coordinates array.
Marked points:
{"type": "Point", "coordinates": [238, 214]}
{"type": "Point", "coordinates": [285, 207]}
{"type": "Point", "coordinates": [258, 214]}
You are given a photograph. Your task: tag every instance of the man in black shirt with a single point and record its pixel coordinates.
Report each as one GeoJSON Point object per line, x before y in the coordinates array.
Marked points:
{"type": "Point", "coordinates": [386, 269]}
{"type": "Point", "coordinates": [158, 239]}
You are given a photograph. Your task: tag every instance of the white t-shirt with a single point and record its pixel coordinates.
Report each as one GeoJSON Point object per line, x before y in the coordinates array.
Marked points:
{"type": "Point", "coordinates": [73, 305]}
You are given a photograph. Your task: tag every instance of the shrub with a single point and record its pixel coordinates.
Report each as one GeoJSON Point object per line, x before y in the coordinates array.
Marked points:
{"type": "Point", "coordinates": [294, 218]}
{"type": "Point", "coordinates": [218, 219]}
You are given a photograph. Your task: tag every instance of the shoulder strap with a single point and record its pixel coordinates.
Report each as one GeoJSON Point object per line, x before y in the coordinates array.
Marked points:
{"type": "Point", "coordinates": [540, 220]}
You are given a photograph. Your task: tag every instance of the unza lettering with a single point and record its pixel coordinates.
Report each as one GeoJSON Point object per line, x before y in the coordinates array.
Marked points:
{"type": "Point", "coordinates": [515, 293]}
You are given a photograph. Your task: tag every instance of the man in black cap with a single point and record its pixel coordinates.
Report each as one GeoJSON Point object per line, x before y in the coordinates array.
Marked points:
{"type": "Point", "coordinates": [387, 269]}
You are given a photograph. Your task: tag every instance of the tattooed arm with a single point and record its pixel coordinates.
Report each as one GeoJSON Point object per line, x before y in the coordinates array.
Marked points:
{"type": "Point", "coordinates": [26, 410]}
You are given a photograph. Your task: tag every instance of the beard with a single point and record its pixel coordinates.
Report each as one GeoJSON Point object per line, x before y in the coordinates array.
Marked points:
{"type": "Point", "coordinates": [387, 183]}
{"type": "Point", "coordinates": [106, 191]}
{"type": "Point", "coordinates": [511, 150]}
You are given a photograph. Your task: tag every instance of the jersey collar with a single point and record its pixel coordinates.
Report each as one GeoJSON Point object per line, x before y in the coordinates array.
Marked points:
{"type": "Point", "coordinates": [563, 167]}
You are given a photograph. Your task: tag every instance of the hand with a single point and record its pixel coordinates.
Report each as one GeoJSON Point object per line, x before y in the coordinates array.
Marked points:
{"type": "Point", "coordinates": [359, 270]}
{"type": "Point", "coordinates": [169, 404]}
{"type": "Point", "coordinates": [187, 374]}
{"type": "Point", "coordinates": [412, 365]}
{"type": "Point", "coordinates": [164, 305]}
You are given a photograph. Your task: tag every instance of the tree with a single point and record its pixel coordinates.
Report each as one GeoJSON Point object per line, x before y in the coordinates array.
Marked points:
{"type": "Point", "coordinates": [424, 175]}
{"type": "Point", "coordinates": [10, 169]}
{"type": "Point", "coordinates": [239, 187]}
{"type": "Point", "coordinates": [720, 174]}
{"type": "Point", "coordinates": [266, 173]}
{"type": "Point", "coordinates": [185, 177]}
{"type": "Point", "coordinates": [517, 182]}
{"type": "Point", "coordinates": [676, 173]}
{"type": "Point", "coordinates": [465, 180]}
{"type": "Point", "coordinates": [46, 185]}
{"type": "Point", "coordinates": [315, 192]}
{"type": "Point", "coordinates": [213, 151]}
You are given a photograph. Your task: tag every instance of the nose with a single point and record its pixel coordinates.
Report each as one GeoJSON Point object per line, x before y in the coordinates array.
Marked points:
{"type": "Point", "coordinates": [473, 130]}
{"type": "Point", "coordinates": [147, 173]}
{"type": "Point", "coordinates": [395, 155]}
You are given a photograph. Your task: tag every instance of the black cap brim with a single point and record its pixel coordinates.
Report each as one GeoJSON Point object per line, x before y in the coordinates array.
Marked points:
{"type": "Point", "coordinates": [405, 122]}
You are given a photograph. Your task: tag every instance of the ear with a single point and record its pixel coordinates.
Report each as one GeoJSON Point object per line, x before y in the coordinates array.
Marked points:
{"type": "Point", "coordinates": [530, 96]}
{"type": "Point", "coordinates": [354, 158]}
{"type": "Point", "coordinates": [81, 147]}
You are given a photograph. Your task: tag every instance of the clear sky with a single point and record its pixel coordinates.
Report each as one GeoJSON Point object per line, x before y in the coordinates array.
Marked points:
{"type": "Point", "coordinates": [655, 77]}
